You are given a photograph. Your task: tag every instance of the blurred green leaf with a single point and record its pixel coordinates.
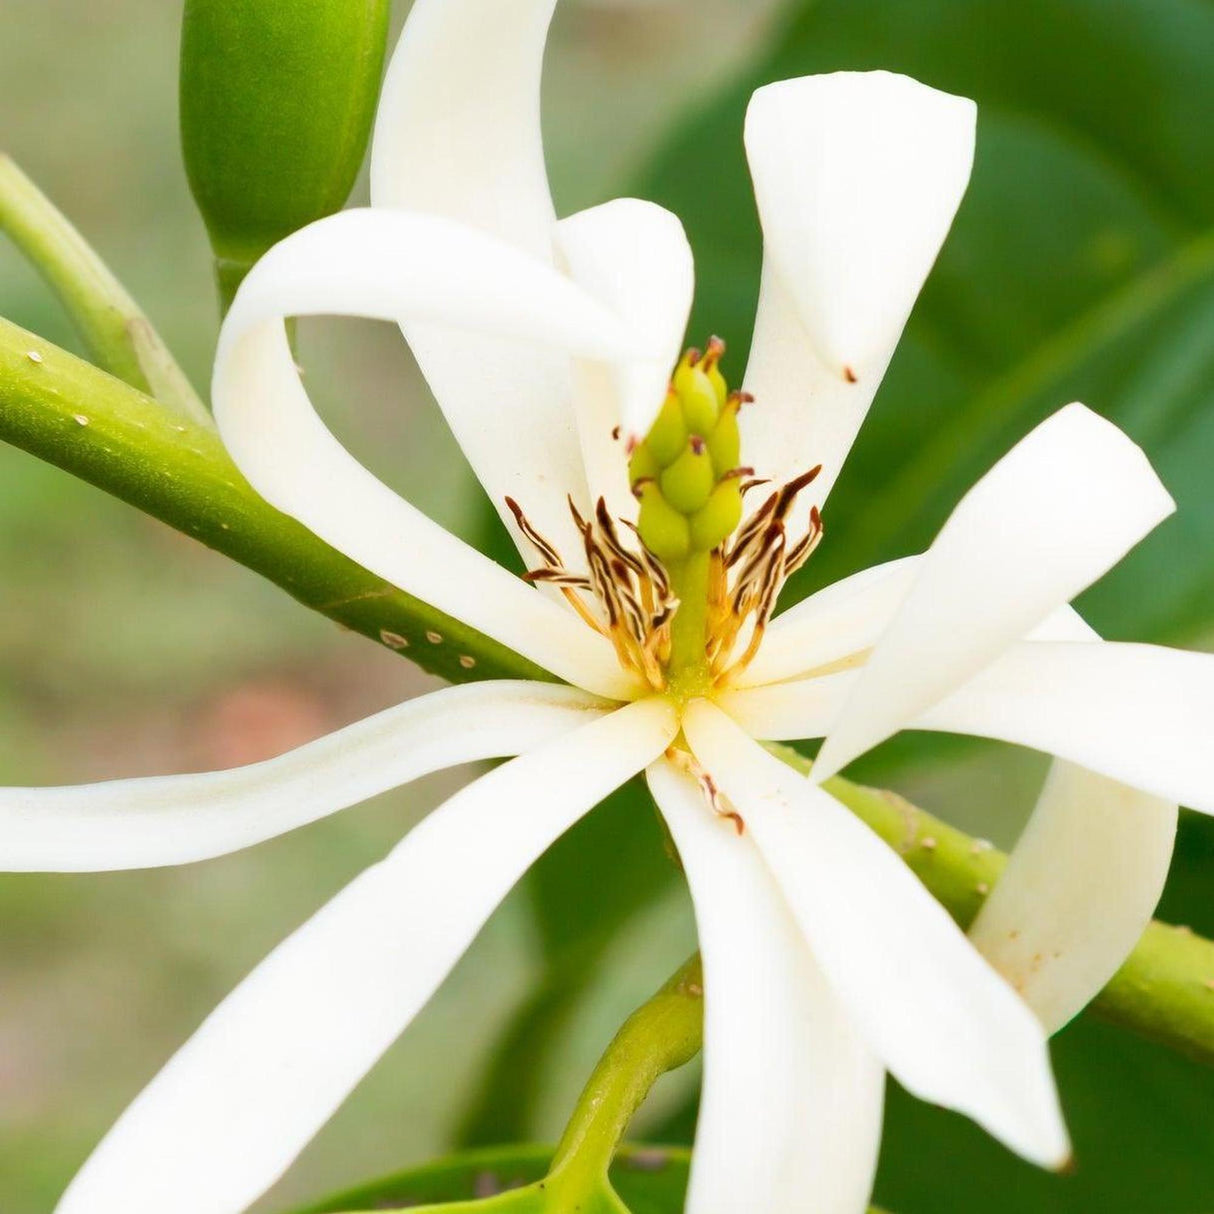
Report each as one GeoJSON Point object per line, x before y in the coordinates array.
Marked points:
{"type": "Point", "coordinates": [1081, 266]}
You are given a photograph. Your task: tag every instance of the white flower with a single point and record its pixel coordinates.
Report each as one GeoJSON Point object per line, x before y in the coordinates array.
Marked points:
{"type": "Point", "coordinates": [826, 962]}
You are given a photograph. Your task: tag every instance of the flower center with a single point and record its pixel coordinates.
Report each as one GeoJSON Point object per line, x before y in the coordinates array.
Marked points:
{"type": "Point", "coordinates": [686, 592]}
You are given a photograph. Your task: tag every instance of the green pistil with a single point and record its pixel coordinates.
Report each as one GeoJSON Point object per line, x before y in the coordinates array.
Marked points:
{"type": "Point", "coordinates": [686, 476]}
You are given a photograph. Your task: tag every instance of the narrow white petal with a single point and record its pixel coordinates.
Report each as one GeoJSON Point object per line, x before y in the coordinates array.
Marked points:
{"type": "Point", "coordinates": [790, 1116]}
{"type": "Point", "coordinates": [843, 620]}
{"type": "Point", "coordinates": [634, 257]}
{"type": "Point", "coordinates": [458, 134]}
{"type": "Point", "coordinates": [271, 1064]}
{"type": "Point", "coordinates": [1078, 891]}
{"type": "Point", "coordinates": [1060, 509]}
{"type": "Point", "coordinates": [1141, 714]}
{"type": "Point", "coordinates": [145, 823]}
{"type": "Point", "coordinates": [391, 265]}
{"type": "Point", "coordinates": [1082, 881]}
{"type": "Point", "coordinates": [858, 176]}
{"type": "Point", "coordinates": [943, 1021]}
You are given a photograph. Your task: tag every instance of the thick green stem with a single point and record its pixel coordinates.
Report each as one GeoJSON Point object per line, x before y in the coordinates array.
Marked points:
{"type": "Point", "coordinates": [66, 412]}
{"type": "Point", "coordinates": [660, 1036]}
{"type": "Point", "coordinates": [117, 333]}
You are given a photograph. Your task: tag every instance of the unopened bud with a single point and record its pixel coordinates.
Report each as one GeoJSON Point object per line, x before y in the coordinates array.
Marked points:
{"type": "Point", "coordinates": [277, 100]}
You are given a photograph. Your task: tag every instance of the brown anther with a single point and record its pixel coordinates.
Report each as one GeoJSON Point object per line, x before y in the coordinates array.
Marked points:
{"type": "Point", "coordinates": [697, 444]}
{"type": "Point", "coordinates": [739, 398]}
{"type": "Point", "coordinates": [850, 375]}
{"type": "Point", "coordinates": [615, 433]}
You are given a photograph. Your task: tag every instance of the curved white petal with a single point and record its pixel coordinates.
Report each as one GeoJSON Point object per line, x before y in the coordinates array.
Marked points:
{"type": "Point", "coordinates": [1141, 714]}
{"type": "Point", "coordinates": [858, 176]}
{"type": "Point", "coordinates": [145, 823]}
{"type": "Point", "coordinates": [843, 620]}
{"type": "Point", "coordinates": [1063, 506]}
{"type": "Point", "coordinates": [1082, 881]}
{"type": "Point", "coordinates": [458, 134]}
{"type": "Point", "coordinates": [949, 1028]}
{"type": "Point", "coordinates": [391, 265]}
{"type": "Point", "coordinates": [634, 257]}
{"type": "Point", "coordinates": [790, 1116]}
{"type": "Point", "coordinates": [270, 1065]}
{"type": "Point", "coordinates": [1079, 890]}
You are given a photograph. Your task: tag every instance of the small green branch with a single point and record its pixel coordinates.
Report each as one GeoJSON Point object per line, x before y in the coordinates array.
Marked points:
{"type": "Point", "coordinates": [660, 1036]}
{"type": "Point", "coordinates": [118, 335]}
{"type": "Point", "coordinates": [1165, 989]}
{"type": "Point", "coordinates": [65, 411]}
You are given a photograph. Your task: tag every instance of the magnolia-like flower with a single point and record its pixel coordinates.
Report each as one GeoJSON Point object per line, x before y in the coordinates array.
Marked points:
{"type": "Point", "coordinates": [660, 517]}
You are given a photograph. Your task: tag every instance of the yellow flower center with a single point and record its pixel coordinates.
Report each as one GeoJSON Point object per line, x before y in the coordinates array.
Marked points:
{"type": "Point", "coordinates": [686, 592]}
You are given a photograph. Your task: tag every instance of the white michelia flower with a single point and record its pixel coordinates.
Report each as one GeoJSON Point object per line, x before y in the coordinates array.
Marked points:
{"type": "Point", "coordinates": [549, 346]}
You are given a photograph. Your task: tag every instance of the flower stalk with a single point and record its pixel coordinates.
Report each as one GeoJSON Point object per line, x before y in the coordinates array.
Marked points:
{"type": "Point", "coordinates": [115, 330]}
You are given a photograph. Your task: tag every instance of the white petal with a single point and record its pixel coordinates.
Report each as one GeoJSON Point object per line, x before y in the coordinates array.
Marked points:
{"type": "Point", "coordinates": [1082, 881]}
{"type": "Point", "coordinates": [947, 1026]}
{"type": "Point", "coordinates": [458, 134]}
{"type": "Point", "coordinates": [271, 1064]}
{"type": "Point", "coordinates": [391, 265]}
{"type": "Point", "coordinates": [840, 621]}
{"type": "Point", "coordinates": [145, 823]}
{"type": "Point", "coordinates": [1063, 506]}
{"type": "Point", "coordinates": [1141, 714]}
{"type": "Point", "coordinates": [858, 176]}
{"type": "Point", "coordinates": [790, 712]}
{"type": "Point", "coordinates": [1078, 891]}
{"type": "Point", "coordinates": [790, 1115]}
{"type": "Point", "coordinates": [634, 257]}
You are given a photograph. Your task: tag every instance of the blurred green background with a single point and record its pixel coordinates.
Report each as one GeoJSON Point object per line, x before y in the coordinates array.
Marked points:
{"type": "Point", "coordinates": [1082, 265]}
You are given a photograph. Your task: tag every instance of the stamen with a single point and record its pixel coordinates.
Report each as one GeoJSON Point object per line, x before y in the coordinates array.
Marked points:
{"type": "Point", "coordinates": [689, 765]}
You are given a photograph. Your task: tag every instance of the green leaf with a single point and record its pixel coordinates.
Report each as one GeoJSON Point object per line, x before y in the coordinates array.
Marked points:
{"type": "Point", "coordinates": [649, 1180]}
{"type": "Point", "coordinates": [1081, 266]}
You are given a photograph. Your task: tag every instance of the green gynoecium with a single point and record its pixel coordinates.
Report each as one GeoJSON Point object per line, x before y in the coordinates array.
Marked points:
{"type": "Point", "coordinates": [277, 101]}
{"type": "Point", "coordinates": [685, 471]}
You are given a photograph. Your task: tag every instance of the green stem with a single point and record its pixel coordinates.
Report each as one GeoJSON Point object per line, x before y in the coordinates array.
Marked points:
{"type": "Point", "coordinates": [118, 335]}
{"type": "Point", "coordinates": [63, 410]}
{"type": "Point", "coordinates": [1165, 988]}
{"type": "Point", "coordinates": [660, 1036]}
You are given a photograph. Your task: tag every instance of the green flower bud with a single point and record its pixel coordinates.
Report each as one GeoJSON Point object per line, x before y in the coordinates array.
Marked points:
{"type": "Point", "coordinates": [277, 101]}
{"type": "Point", "coordinates": [715, 521]}
{"type": "Point", "coordinates": [688, 482]}
{"type": "Point", "coordinates": [664, 531]}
